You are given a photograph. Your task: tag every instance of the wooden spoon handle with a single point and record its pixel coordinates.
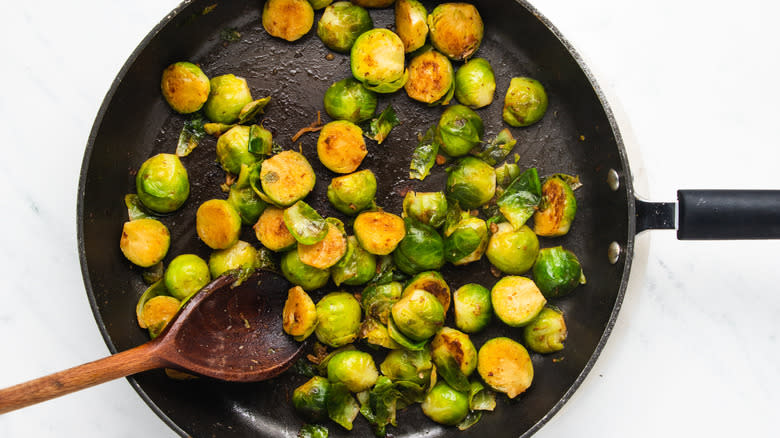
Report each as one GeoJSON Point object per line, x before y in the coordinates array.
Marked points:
{"type": "Point", "coordinates": [122, 364]}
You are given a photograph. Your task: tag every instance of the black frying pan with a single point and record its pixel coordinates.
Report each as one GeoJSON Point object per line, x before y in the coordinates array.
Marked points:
{"type": "Point", "coordinates": [578, 136]}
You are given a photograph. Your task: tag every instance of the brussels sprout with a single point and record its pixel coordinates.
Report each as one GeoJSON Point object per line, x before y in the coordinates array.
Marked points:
{"type": "Point", "coordinates": [338, 314]}
{"type": "Point", "coordinates": [261, 140]}
{"type": "Point", "coordinates": [353, 193]}
{"type": "Point", "coordinates": [184, 87]}
{"type": "Point", "coordinates": [355, 369]}
{"type": "Point", "coordinates": [297, 272]}
{"type": "Point", "coordinates": [373, 3]}
{"type": "Point", "coordinates": [497, 149]}
{"type": "Point", "coordinates": [233, 149]}
{"type": "Point", "coordinates": [376, 334]}
{"type": "Point", "coordinates": [145, 242]}
{"type": "Point", "coordinates": [244, 199]}
{"type": "Point", "coordinates": [547, 332]}
{"type": "Point", "coordinates": [455, 357]}
{"type": "Point", "coordinates": [271, 231]}
{"type": "Point", "coordinates": [349, 100]}
{"type": "Point", "coordinates": [505, 366]}
{"type": "Point", "coordinates": [472, 182]}
{"type": "Point", "coordinates": [377, 300]}
{"type": "Point", "coordinates": [340, 146]}
{"type": "Point", "coordinates": [411, 24]}
{"type": "Point", "coordinates": [475, 83]}
{"type": "Point", "coordinates": [241, 256]}
{"type": "Point", "coordinates": [516, 300]}
{"type": "Point", "coordinates": [557, 208]}
{"type": "Point", "coordinates": [431, 78]}
{"type": "Point", "coordinates": [445, 405]}
{"type": "Point", "coordinates": [319, 4]}
{"type": "Point", "coordinates": [158, 312]}
{"type": "Point", "coordinates": [460, 129]}
{"type": "Point", "coordinates": [525, 102]}
{"type": "Point", "coordinates": [379, 127]}
{"type": "Point", "coordinates": [156, 289]}
{"type": "Point", "coordinates": [228, 96]}
{"type": "Point", "coordinates": [310, 398]}
{"type": "Point", "coordinates": [467, 242]}
{"type": "Point", "coordinates": [557, 272]}
{"type": "Point", "coordinates": [421, 249]}
{"type": "Point", "coordinates": [342, 407]}
{"type": "Point", "coordinates": [418, 315]}
{"type": "Point", "coordinates": [429, 208]}
{"type": "Point", "coordinates": [287, 19]}
{"type": "Point", "coordinates": [305, 224]}
{"type": "Point", "coordinates": [519, 201]}
{"type": "Point", "coordinates": [328, 251]}
{"type": "Point", "coordinates": [410, 366]}
{"type": "Point", "coordinates": [473, 308]}
{"type": "Point", "coordinates": [433, 283]}
{"type": "Point", "coordinates": [340, 25]}
{"type": "Point", "coordinates": [377, 60]}
{"type": "Point", "coordinates": [379, 232]}
{"type": "Point", "coordinates": [456, 29]}
{"type": "Point", "coordinates": [512, 251]}
{"type": "Point", "coordinates": [424, 155]}
{"type": "Point", "coordinates": [162, 183]}
{"type": "Point", "coordinates": [404, 341]}
{"type": "Point", "coordinates": [218, 224]}
{"type": "Point", "coordinates": [357, 267]}
{"type": "Point", "coordinates": [286, 177]}
{"type": "Point", "coordinates": [299, 316]}
{"type": "Point", "coordinates": [186, 274]}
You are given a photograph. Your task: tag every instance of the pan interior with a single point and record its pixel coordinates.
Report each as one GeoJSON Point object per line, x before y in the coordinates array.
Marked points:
{"type": "Point", "coordinates": [576, 136]}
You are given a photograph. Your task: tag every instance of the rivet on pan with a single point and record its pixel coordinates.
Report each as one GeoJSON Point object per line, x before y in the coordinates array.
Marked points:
{"type": "Point", "coordinates": [613, 179]}
{"type": "Point", "coordinates": [613, 253]}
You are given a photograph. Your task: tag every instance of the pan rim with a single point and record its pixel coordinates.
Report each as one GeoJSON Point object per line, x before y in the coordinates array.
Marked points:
{"type": "Point", "coordinates": [627, 181]}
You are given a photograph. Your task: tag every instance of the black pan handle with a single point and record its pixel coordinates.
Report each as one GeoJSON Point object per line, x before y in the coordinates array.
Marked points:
{"type": "Point", "coordinates": [715, 214]}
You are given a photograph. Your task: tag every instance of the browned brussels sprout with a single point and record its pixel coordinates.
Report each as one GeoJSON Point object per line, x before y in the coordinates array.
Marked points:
{"type": "Point", "coordinates": [379, 232]}
{"type": "Point", "coordinates": [299, 316]}
{"type": "Point", "coordinates": [456, 29]}
{"type": "Point", "coordinates": [218, 224]}
{"type": "Point", "coordinates": [547, 332]}
{"type": "Point", "coordinates": [455, 357]}
{"type": "Point", "coordinates": [145, 242]}
{"type": "Point", "coordinates": [431, 78]}
{"type": "Point", "coordinates": [411, 24]}
{"type": "Point", "coordinates": [288, 19]}
{"type": "Point", "coordinates": [557, 209]}
{"type": "Point", "coordinates": [286, 177]}
{"type": "Point", "coordinates": [185, 87]}
{"type": "Point", "coordinates": [516, 300]}
{"type": "Point", "coordinates": [433, 283]}
{"type": "Point", "coordinates": [505, 366]}
{"type": "Point", "coordinates": [340, 146]}
{"type": "Point", "coordinates": [271, 231]}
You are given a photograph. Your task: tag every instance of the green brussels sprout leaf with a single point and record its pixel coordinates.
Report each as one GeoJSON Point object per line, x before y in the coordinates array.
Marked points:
{"type": "Point", "coordinates": [424, 155]}
{"type": "Point", "coordinates": [153, 274]}
{"type": "Point", "coordinates": [402, 339]}
{"type": "Point", "coordinates": [376, 334]}
{"type": "Point", "coordinates": [378, 299]}
{"type": "Point", "coordinates": [520, 199]}
{"type": "Point", "coordinates": [497, 149]}
{"type": "Point", "coordinates": [386, 271]}
{"type": "Point", "coordinates": [380, 127]}
{"type": "Point", "coordinates": [481, 398]}
{"type": "Point", "coordinates": [422, 249]}
{"type": "Point", "coordinates": [135, 209]}
{"type": "Point", "coordinates": [572, 180]}
{"type": "Point", "coordinates": [382, 402]}
{"type": "Point", "coordinates": [244, 199]}
{"type": "Point", "coordinates": [449, 369]}
{"type": "Point", "coordinates": [455, 214]}
{"type": "Point", "coordinates": [303, 367]}
{"type": "Point", "coordinates": [471, 419]}
{"type": "Point", "coordinates": [305, 224]}
{"type": "Point", "coordinates": [230, 35]}
{"type": "Point", "coordinates": [342, 407]}
{"type": "Point", "coordinates": [313, 431]}
{"type": "Point", "coordinates": [216, 129]}
{"type": "Point", "coordinates": [191, 134]}
{"type": "Point", "coordinates": [505, 174]}
{"type": "Point", "coordinates": [250, 111]}
{"type": "Point", "coordinates": [266, 260]}
{"type": "Point", "coordinates": [260, 140]}
{"type": "Point", "coordinates": [462, 243]}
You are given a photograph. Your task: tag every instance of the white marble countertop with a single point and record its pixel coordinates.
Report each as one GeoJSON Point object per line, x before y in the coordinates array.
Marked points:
{"type": "Point", "coordinates": [694, 86]}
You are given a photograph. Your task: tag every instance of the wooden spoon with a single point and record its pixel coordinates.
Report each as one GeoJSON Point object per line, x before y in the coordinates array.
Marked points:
{"type": "Point", "coordinates": [229, 333]}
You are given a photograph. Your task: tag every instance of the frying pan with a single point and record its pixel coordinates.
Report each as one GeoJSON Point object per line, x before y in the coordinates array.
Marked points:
{"type": "Point", "coordinates": [578, 136]}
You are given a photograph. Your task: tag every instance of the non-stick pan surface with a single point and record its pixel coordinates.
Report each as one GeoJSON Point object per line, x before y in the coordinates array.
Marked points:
{"type": "Point", "coordinates": [577, 136]}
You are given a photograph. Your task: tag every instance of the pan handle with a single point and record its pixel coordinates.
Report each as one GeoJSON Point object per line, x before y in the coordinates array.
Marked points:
{"type": "Point", "coordinates": [715, 214]}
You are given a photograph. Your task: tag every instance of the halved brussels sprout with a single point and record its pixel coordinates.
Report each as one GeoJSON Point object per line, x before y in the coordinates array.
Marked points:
{"type": "Point", "coordinates": [445, 405]}
{"type": "Point", "coordinates": [271, 231]}
{"type": "Point", "coordinates": [338, 315]}
{"type": "Point", "coordinates": [287, 177]}
{"type": "Point", "coordinates": [472, 182]}
{"type": "Point", "coordinates": [473, 308]}
{"type": "Point", "coordinates": [379, 232]}
{"type": "Point", "coordinates": [349, 100]}
{"type": "Point", "coordinates": [429, 208]}
{"type": "Point", "coordinates": [516, 300]}
{"type": "Point", "coordinates": [373, 3]}
{"type": "Point", "coordinates": [341, 24]}
{"type": "Point", "coordinates": [185, 87]}
{"type": "Point", "coordinates": [218, 224]}
{"type": "Point", "coordinates": [377, 60]}
{"type": "Point", "coordinates": [376, 334]}
{"type": "Point", "coordinates": [557, 209]}
{"type": "Point", "coordinates": [145, 242]}
{"type": "Point", "coordinates": [455, 357]}
{"type": "Point", "coordinates": [340, 146]}
{"type": "Point", "coordinates": [377, 300]}
{"type": "Point", "coordinates": [557, 272]}
{"type": "Point", "coordinates": [352, 193]}
{"type": "Point", "coordinates": [162, 183]}
{"type": "Point", "coordinates": [328, 251]}
{"type": "Point", "coordinates": [297, 272]}
{"type": "Point", "coordinates": [242, 256]}
{"type": "Point", "coordinates": [411, 24]}
{"type": "Point", "coordinates": [460, 129]}
{"type": "Point", "coordinates": [342, 407]}
{"type": "Point", "coordinates": [467, 242]}
{"type": "Point", "coordinates": [355, 369]}
{"type": "Point", "coordinates": [512, 251]}
{"type": "Point", "coordinates": [505, 366]}
{"type": "Point", "coordinates": [431, 78]}
{"type": "Point", "coordinates": [228, 96]}
{"type": "Point", "coordinates": [433, 283]}
{"type": "Point", "coordinates": [357, 267]}
{"type": "Point", "coordinates": [456, 29]}
{"type": "Point", "coordinates": [310, 399]}
{"type": "Point", "coordinates": [154, 290]}
{"type": "Point", "coordinates": [244, 199]}
{"type": "Point", "coordinates": [186, 274]}
{"type": "Point", "coordinates": [418, 315]}
{"type": "Point", "coordinates": [299, 316]}
{"type": "Point", "coordinates": [547, 332]}
{"type": "Point", "coordinates": [157, 312]}
{"type": "Point", "coordinates": [525, 102]}
{"type": "Point", "coordinates": [305, 224]}
{"type": "Point", "coordinates": [233, 149]}
{"type": "Point", "coordinates": [421, 249]}
{"type": "Point", "coordinates": [287, 19]}
{"type": "Point", "coordinates": [410, 366]}
{"type": "Point", "coordinates": [475, 83]}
